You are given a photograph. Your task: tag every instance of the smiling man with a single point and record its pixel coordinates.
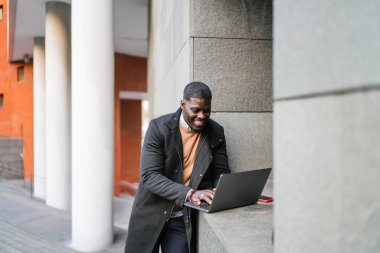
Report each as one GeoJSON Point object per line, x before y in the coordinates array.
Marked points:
{"type": "Point", "coordinates": [183, 156]}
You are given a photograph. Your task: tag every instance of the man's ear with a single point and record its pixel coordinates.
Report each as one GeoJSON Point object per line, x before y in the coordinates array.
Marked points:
{"type": "Point", "coordinates": [183, 102]}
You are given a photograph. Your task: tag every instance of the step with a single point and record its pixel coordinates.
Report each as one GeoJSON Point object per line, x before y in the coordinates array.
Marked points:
{"type": "Point", "coordinates": [11, 142]}
{"type": "Point", "coordinates": [122, 210]}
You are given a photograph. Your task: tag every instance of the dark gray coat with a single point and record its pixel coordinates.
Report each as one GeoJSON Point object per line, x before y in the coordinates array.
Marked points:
{"type": "Point", "coordinates": [161, 176]}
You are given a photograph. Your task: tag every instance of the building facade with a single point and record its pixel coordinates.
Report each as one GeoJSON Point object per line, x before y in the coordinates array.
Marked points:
{"type": "Point", "coordinates": [81, 104]}
{"type": "Point", "coordinates": [16, 108]}
{"type": "Point", "coordinates": [300, 96]}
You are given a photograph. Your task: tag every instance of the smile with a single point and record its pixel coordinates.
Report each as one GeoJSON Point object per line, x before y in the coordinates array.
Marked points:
{"type": "Point", "coordinates": [199, 122]}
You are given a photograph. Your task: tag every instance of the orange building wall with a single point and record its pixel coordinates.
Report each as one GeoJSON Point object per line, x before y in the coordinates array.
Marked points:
{"type": "Point", "coordinates": [130, 140]}
{"type": "Point", "coordinates": [130, 75]}
{"type": "Point", "coordinates": [16, 116]}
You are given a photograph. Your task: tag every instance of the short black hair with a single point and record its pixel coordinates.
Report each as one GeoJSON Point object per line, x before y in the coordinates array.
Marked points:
{"type": "Point", "coordinates": [197, 90]}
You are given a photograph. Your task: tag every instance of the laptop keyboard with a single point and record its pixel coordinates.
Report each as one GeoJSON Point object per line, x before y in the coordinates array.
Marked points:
{"type": "Point", "coordinates": [205, 205]}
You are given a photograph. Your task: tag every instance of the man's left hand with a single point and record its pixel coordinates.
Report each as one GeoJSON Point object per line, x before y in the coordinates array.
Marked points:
{"type": "Point", "coordinates": [202, 195]}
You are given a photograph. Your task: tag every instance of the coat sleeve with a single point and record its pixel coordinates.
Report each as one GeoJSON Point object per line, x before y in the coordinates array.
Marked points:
{"type": "Point", "coordinates": [152, 168]}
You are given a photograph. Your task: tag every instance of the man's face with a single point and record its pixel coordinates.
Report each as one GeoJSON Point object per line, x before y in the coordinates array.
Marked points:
{"type": "Point", "coordinates": [196, 112]}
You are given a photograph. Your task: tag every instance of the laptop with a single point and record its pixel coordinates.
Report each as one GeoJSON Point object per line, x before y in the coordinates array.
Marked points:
{"type": "Point", "coordinates": [235, 190]}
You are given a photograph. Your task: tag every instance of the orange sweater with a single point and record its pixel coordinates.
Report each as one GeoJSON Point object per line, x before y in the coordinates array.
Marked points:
{"type": "Point", "coordinates": [190, 141]}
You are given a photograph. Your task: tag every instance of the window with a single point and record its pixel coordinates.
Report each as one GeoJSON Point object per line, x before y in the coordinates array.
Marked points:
{"type": "Point", "coordinates": [1, 12]}
{"type": "Point", "coordinates": [20, 73]}
{"type": "Point", "coordinates": [1, 100]}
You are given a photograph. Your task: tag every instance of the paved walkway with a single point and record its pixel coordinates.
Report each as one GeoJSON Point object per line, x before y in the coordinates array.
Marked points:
{"type": "Point", "coordinates": [29, 226]}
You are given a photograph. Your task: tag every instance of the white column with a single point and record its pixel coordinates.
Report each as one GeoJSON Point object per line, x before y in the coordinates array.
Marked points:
{"type": "Point", "coordinates": [93, 124]}
{"type": "Point", "coordinates": [58, 123]}
{"type": "Point", "coordinates": [39, 118]}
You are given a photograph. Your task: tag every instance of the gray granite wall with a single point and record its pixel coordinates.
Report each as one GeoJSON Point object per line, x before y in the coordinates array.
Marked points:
{"type": "Point", "coordinates": [228, 45]}
{"type": "Point", "coordinates": [232, 53]}
{"type": "Point", "coordinates": [326, 126]}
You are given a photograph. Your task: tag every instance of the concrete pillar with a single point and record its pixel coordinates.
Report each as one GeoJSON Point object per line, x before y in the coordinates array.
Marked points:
{"type": "Point", "coordinates": [92, 124]}
{"type": "Point", "coordinates": [58, 124]}
{"type": "Point", "coordinates": [326, 126]}
{"type": "Point", "coordinates": [39, 118]}
{"type": "Point", "coordinates": [228, 45]}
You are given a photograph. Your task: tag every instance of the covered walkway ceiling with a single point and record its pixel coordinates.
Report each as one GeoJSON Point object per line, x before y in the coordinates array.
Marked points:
{"type": "Point", "coordinates": [27, 20]}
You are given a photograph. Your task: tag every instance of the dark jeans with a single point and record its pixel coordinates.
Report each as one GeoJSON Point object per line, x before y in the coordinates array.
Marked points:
{"type": "Point", "coordinates": [173, 237]}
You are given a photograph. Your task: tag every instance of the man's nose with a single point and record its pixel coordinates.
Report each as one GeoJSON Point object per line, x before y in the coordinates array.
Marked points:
{"type": "Point", "coordinates": [202, 115]}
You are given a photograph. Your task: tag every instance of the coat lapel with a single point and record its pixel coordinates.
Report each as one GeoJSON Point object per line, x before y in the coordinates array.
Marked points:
{"type": "Point", "coordinates": [177, 140]}
{"type": "Point", "coordinates": [202, 160]}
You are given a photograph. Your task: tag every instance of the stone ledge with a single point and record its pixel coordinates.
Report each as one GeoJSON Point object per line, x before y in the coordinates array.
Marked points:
{"type": "Point", "coordinates": [245, 229]}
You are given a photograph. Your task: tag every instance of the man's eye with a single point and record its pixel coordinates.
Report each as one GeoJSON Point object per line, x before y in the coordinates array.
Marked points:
{"type": "Point", "coordinates": [194, 110]}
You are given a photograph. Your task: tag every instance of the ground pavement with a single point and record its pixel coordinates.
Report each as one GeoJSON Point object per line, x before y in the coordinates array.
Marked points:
{"type": "Point", "coordinates": [27, 225]}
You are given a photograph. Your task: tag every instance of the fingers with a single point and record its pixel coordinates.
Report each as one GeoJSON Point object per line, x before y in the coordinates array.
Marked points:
{"type": "Point", "coordinates": [207, 196]}
{"type": "Point", "coordinates": [203, 195]}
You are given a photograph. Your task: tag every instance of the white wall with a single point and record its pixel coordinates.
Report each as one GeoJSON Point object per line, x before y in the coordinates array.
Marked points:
{"type": "Point", "coordinates": [170, 46]}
